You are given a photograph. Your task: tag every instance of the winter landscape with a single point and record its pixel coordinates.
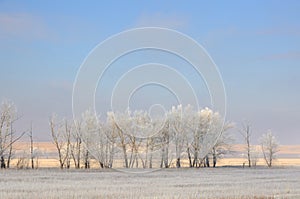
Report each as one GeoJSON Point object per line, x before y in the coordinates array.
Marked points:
{"type": "Point", "coordinates": [149, 99]}
{"type": "Point", "coordinates": [168, 183]}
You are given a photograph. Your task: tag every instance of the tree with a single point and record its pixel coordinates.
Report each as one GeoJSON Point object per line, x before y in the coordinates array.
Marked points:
{"type": "Point", "coordinates": [75, 146]}
{"type": "Point", "coordinates": [139, 125]}
{"type": "Point", "coordinates": [202, 129]}
{"type": "Point", "coordinates": [107, 146]}
{"type": "Point", "coordinates": [269, 147]}
{"type": "Point", "coordinates": [165, 143]}
{"type": "Point", "coordinates": [98, 139]}
{"type": "Point", "coordinates": [191, 118]}
{"type": "Point", "coordinates": [61, 134]}
{"type": "Point", "coordinates": [223, 144]}
{"type": "Point", "coordinates": [90, 137]}
{"type": "Point", "coordinates": [8, 115]}
{"type": "Point", "coordinates": [255, 151]}
{"type": "Point", "coordinates": [31, 147]}
{"type": "Point", "coordinates": [140, 139]}
{"type": "Point", "coordinates": [122, 139]}
{"type": "Point", "coordinates": [177, 119]}
{"type": "Point", "coordinates": [246, 133]}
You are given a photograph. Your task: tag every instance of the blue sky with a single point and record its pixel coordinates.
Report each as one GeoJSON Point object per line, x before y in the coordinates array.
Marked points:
{"type": "Point", "coordinates": [255, 44]}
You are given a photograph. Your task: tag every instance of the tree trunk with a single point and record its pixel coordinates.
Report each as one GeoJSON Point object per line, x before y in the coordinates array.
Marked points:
{"type": "Point", "coordinates": [125, 155]}
{"type": "Point", "coordinates": [10, 147]}
{"type": "Point", "coordinates": [3, 166]}
{"type": "Point", "coordinates": [31, 148]}
{"type": "Point", "coordinates": [86, 161]}
{"type": "Point", "coordinates": [178, 165]}
{"type": "Point", "coordinates": [189, 156]}
{"type": "Point", "coordinates": [207, 161]}
{"type": "Point", "coordinates": [166, 158]}
{"type": "Point", "coordinates": [248, 145]}
{"type": "Point", "coordinates": [214, 160]}
{"type": "Point", "coordinates": [101, 164]}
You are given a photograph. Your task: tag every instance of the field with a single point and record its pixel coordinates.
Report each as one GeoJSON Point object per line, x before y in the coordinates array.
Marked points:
{"type": "Point", "coordinates": [288, 155]}
{"type": "Point", "coordinates": [171, 183]}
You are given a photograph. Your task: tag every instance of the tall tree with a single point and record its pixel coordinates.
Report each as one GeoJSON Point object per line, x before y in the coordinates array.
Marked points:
{"type": "Point", "coordinates": [76, 143]}
{"type": "Point", "coordinates": [61, 135]}
{"type": "Point", "coordinates": [31, 147]}
{"type": "Point", "coordinates": [246, 134]}
{"type": "Point", "coordinates": [177, 124]}
{"type": "Point", "coordinates": [223, 145]}
{"type": "Point", "coordinates": [8, 115]}
{"type": "Point", "coordinates": [269, 147]}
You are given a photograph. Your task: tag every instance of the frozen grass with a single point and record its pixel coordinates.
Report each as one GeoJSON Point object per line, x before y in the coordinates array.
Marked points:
{"type": "Point", "coordinates": [171, 183]}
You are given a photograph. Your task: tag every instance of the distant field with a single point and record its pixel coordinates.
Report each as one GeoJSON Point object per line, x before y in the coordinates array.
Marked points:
{"type": "Point", "coordinates": [171, 183]}
{"type": "Point", "coordinates": [289, 155]}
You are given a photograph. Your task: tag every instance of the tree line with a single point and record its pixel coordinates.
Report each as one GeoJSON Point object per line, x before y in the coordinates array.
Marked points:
{"type": "Point", "coordinates": [183, 137]}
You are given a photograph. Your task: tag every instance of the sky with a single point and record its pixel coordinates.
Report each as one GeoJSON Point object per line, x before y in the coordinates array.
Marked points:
{"type": "Point", "coordinates": [255, 44]}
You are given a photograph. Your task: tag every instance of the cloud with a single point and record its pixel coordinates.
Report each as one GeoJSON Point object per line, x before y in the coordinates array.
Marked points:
{"type": "Point", "coordinates": [22, 25]}
{"type": "Point", "coordinates": [162, 20]}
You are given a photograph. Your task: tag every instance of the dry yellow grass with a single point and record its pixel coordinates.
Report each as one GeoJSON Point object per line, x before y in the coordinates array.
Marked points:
{"type": "Point", "coordinates": [51, 161]}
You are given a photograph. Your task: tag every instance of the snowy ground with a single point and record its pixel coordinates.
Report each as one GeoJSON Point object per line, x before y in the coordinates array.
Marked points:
{"type": "Point", "coordinates": [171, 183]}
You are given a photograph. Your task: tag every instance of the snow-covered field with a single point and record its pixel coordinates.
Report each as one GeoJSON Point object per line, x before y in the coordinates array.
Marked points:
{"type": "Point", "coordinates": [171, 183]}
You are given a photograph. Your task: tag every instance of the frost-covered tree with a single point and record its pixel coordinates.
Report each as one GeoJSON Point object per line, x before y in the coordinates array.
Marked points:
{"type": "Point", "coordinates": [165, 136]}
{"type": "Point", "coordinates": [139, 140]}
{"type": "Point", "coordinates": [76, 143]}
{"type": "Point", "coordinates": [121, 138]}
{"type": "Point", "coordinates": [269, 147]}
{"type": "Point", "coordinates": [179, 117]}
{"type": "Point", "coordinates": [139, 122]}
{"type": "Point", "coordinates": [223, 145]}
{"type": "Point", "coordinates": [199, 130]}
{"type": "Point", "coordinates": [98, 139]}
{"type": "Point", "coordinates": [61, 137]}
{"type": "Point", "coordinates": [132, 136]}
{"type": "Point", "coordinates": [8, 115]}
{"type": "Point", "coordinates": [90, 128]}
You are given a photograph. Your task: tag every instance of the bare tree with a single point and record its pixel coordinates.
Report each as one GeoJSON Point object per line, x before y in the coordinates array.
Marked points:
{"type": "Point", "coordinates": [254, 155]}
{"type": "Point", "coordinates": [61, 133]}
{"type": "Point", "coordinates": [223, 145]}
{"type": "Point", "coordinates": [246, 133]}
{"type": "Point", "coordinates": [110, 143]}
{"type": "Point", "coordinates": [10, 148]}
{"type": "Point", "coordinates": [154, 145]}
{"type": "Point", "coordinates": [76, 144]}
{"type": "Point", "coordinates": [269, 147]}
{"type": "Point", "coordinates": [8, 115]}
{"type": "Point", "coordinates": [31, 147]}
{"type": "Point", "coordinates": [122, 139]}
